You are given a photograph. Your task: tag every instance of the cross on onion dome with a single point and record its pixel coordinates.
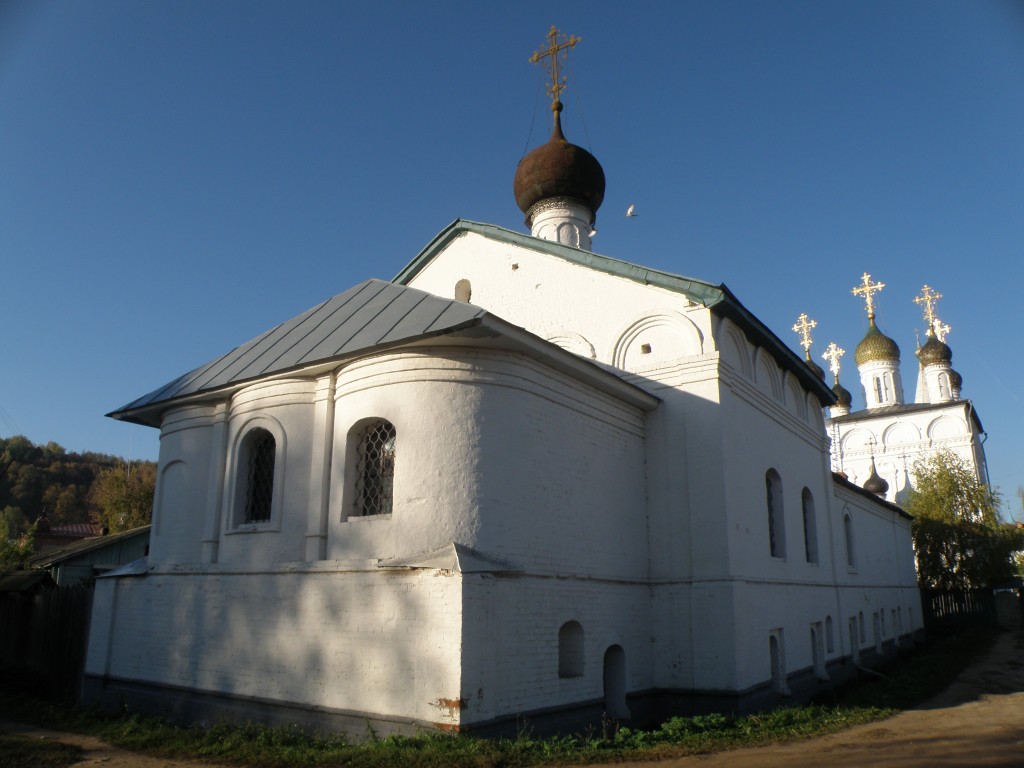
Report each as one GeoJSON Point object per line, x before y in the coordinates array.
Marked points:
{"type": "Point", "coordinates": [867, 289]}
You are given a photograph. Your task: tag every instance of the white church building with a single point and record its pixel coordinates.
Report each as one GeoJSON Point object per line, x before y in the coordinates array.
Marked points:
{"type": "Point", "coordinates": [877, 446]}
{"type": "Point", "coordinates": [519, 482]}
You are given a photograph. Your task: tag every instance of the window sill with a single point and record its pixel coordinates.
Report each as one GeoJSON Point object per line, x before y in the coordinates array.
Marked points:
{"type": "Point", "coordinates": [270, 527]}
{"type": "Point", "coordinates": [365, 518]}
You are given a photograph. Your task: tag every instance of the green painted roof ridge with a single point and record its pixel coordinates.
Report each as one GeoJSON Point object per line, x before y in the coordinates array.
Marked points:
{"type": "Point", "coordinates": [707, 294]}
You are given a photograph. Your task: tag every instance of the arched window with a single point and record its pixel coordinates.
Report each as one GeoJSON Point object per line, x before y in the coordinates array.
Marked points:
{"type": "Point", "coordinates": [810, 527]}
{"type": "Point", "coordinates": [256, 457]}
{"type": "Point", "coordinates": [944, 385]}
{"type": "Point", "coordinates": [851, 560]}
{"type": "Point", "coordinates": [890, 388]}
{"type": "Point", "coordinates": [570, 649]}
{"type": "Point", "coordinates": [375, 469]}
{"type": "Point", "coordinates": [776, 518]}
{"type": "Point", "coordinates": [879, 398]}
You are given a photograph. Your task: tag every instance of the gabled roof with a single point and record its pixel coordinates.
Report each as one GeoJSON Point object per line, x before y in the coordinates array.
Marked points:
{"type": "Point", "coordinates": [371, 316]}
{"type": "Point", "coordinates": [718, 298]}
{"type": "Point", "coordinates": [82, 546]}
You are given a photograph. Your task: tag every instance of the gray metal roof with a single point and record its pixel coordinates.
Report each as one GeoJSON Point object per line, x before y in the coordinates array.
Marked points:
{"type": "Point", "coordinates": [371, 314]}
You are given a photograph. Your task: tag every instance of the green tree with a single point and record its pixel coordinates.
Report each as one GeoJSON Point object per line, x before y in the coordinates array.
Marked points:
{"type": "Point", "coordinates": [14, 552]}
{"type": "Point", "coordinates": [12, 523]}
{"type": "Point", "coordinates": [123, 496]}
{"type": "Point", "coordinates": [959, 539]}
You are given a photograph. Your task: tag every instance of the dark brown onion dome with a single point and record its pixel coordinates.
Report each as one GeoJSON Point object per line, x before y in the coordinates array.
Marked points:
{"type": "Point", "coordinates": [876, 346]}
{"type": "Point", "coordinates": [875, 484]}
{"type": "Point", "coordinates": [843, 397]}
{"type": "Point", "coordinates": [934, 351]}
{"type": "Point", "coordinates": [817, 369]}
{"type": "Point", "coordinates": [559, 169]}
{"type": "Point", "coordinates": [956, 381]}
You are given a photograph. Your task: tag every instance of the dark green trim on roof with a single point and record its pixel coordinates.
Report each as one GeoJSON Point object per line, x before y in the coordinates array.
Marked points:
{"type": "Point", "coordinates": [718, 298]}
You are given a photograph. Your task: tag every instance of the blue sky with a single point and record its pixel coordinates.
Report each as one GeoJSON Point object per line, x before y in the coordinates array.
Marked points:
{"type": "Point", "coordinates": [177, 177]}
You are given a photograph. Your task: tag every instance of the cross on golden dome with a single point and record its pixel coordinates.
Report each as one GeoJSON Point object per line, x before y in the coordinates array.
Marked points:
{"type": "Point", "coordinates": [803, 327]}
{"type": "Point", "coordinates": [553, 52]}
{"type": "Point", "coordinates": [941, 329]}
{"type": "Point", "coordinates": [832, 354]}
{"type": "Point", "coordinates": [929, 298]}
{"type": "Point", "coordinates": [867, 289]}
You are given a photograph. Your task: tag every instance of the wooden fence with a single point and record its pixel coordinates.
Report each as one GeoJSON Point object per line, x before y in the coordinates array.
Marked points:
{"type": "Point", "coordinates": [46, 634]}
{"type": "Point", "coordinates": [950, 609]}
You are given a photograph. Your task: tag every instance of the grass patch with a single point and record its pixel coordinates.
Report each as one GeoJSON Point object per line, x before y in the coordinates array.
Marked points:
{"type": "Point", "coordinates": [25, 752]}
{"type": "Point", "coordinates": [908, 682]}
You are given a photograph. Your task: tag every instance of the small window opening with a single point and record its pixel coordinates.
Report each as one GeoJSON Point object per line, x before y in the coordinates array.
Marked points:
{"type": "Point", "coordinates": [375, 470]}
{"type": "Point", "coordinates": [776, 521]}
{"type": "Point", "coordinates": [259, 476]}
{"type": "Point", "coordinates": [570, 650]}
{"type": "Point", "coordinates": [645, 349]}
{"type": "Point", "coordinates": [830, 641]}
{"type": "Point", "coordinates": [778, 662]}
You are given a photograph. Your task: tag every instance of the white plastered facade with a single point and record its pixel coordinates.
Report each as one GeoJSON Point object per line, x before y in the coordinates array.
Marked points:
{"type": "Point", "coordinates": [623, 506]}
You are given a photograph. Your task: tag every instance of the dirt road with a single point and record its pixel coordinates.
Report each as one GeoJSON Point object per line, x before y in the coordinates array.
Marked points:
{"type": "Point", "coordinates": [978, 721]}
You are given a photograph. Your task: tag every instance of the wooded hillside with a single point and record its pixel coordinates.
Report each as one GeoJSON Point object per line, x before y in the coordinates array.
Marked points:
{"type": "Point", "coordinates": [46, 480]}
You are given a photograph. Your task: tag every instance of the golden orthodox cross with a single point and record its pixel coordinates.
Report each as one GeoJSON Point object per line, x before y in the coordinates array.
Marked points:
{"type": "Point", "coordinates": [554, 50]}
{"type": "Point", "coordinates": [867, 289]}
{"type": "Point", "coordinates": [832, 354]}
{"type": "Point", "coordinates": [803, 327]}
{"type": "Point", "coordinates": [941, 329]}
{"type": "Point", "coordinates": [929, 298]}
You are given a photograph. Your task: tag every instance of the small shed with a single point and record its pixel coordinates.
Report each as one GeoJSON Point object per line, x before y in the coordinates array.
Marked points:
{"type": "Point", "coordinates": [87, 558]}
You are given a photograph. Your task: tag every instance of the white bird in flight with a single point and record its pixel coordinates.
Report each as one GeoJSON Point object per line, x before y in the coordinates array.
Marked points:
{"type": "Point", "coordinates": [629, 211]}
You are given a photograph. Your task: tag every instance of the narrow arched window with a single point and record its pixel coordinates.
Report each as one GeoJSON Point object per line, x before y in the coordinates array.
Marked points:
{"type": "Point", "coordinates": [776, 519]}
{"type": "Point", "coordinates": [810, 527]}
{"type": "Point", "coordinates": [570, 649]}
{"type": "Point", "coordinates": [851, 560]}
{"type": "Point", "coordinates": [256, 461]}
{"type": "Point", "coordinates": [879, 397]}
{"type": "Point", "coordinates": [375, 469]}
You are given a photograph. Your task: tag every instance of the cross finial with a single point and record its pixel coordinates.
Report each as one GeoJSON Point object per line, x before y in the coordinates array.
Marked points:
{"type": "Point", "coordinates": [867, 289]}
{"type": "Point", "coordinates": [803, 327]}
{"type": "Point", "coordinates": [929, 298]}
{"type": "Point", "coordinates": [554, 50]}
{"type": "Point", "coordinates": [832, 354]}
{"type": "Point", "coordinates": [941, 329]}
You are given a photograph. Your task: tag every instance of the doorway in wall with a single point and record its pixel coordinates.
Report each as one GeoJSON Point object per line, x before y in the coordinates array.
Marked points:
{"type": "Point", "coordinates": [615, 683]}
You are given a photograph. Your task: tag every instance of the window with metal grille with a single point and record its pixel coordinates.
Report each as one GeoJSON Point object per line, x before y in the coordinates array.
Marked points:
{"type": "Point", "coordinates": [259, 493]}
{"type": "Point", "coordinates": [375, 469]}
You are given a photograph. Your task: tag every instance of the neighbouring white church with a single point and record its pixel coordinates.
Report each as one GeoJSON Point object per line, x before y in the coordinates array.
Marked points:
{"type": "Point", "coordinates": [878, 446]}
{"type": "Point", "coordinates": [519, 482]}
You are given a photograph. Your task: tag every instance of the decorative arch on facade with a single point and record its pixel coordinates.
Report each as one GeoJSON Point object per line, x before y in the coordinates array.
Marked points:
{"type": "Point", "coordinates": [575, 343]}
{"type": "Point", "coordinates": [795, 396]}
{"type": "Point", "coordinates": [172, 488]}
{"type": "Point", "coordinates": [662, 336]}
{"type": "Point", "coordinates": [945, 427]}
{"type": "Point", "coordinates": [857, 439]}
{"type": "Point", "coordinates": [258, 453]}
{"type": "Point", "coordinates": [734, 348]}
{"type": "Point", "coordinates": [767, 374]}
{"type": "Point", "coordinates": [814, 412]}
{"type": "Point", "coordinates": [903, 432]}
